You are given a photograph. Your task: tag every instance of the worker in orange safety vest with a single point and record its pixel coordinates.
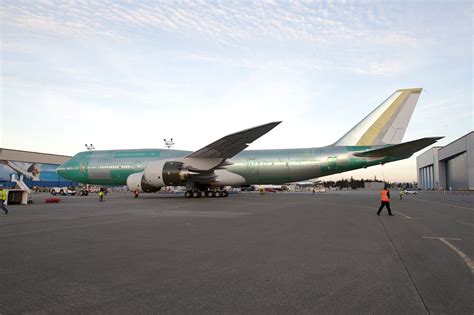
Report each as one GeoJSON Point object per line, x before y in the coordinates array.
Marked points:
{"type": "Point", "coordinates": [385, 201]}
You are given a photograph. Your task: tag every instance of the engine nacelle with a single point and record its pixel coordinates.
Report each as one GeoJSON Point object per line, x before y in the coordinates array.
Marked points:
{"type": "Point", "coordinates": [226, 178]}
{"type": "Point", "coordinates": [165, 173]}
{"type": "Point", "coordinates": [137, 181]}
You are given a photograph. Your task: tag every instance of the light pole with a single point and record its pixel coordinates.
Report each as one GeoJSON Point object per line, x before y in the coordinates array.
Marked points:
{"type": "Point", "coordinates": [168, 143]}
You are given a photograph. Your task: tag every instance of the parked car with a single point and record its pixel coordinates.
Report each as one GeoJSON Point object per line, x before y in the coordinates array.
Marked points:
{"type": "Point", "coordinates": [410, 192]}
{"type": "Point", "coordinates": [247, 188]}
{"type": "Point", "coordinates": [63, 191]}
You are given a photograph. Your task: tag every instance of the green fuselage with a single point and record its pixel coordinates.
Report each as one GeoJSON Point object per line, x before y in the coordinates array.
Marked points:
{"type": "Point", "coordinates": [112, 167]}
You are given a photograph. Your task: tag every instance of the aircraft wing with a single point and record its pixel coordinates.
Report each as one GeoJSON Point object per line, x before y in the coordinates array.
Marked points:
{"type": "Point", "coordinates": [215, 154]}
{"type": "Point", "coordinates": [232, 144]}
{"type": "Point", "coordinates": [405, 149]}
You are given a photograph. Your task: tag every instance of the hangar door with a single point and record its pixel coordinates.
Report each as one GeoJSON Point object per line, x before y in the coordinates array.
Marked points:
{"type": "Point", "coordinates": [456, 172]}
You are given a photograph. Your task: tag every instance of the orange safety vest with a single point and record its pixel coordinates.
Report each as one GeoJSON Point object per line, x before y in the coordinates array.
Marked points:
{"type": "Point", "coordinates": [384, 195]}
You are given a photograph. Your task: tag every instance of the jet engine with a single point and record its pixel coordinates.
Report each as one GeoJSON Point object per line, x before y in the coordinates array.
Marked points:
{"type": "Point", "coordinates": [166, 173]}
{"type": "Point", "coordinates": [137, 181]}
{"type": "Point", "coordinates": [158, 174]}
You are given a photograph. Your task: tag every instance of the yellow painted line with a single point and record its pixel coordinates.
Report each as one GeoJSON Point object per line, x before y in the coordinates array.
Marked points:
{"type": "Point", "coordinates": [466, 259]}
{"type": "Point", "coordinates": [446, 204]}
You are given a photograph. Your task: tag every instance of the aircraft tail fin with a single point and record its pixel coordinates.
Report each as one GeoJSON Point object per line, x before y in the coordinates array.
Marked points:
{"type": "Point", "coordinates": [386, 124]}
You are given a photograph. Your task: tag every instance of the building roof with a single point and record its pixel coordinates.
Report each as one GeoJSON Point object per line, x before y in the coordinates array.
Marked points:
{"type": "Point", "coordinates": [28, 156]}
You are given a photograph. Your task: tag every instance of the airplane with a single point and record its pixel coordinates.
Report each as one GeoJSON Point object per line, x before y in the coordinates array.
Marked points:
{"type": "Point", "coordinates": [375, 140]}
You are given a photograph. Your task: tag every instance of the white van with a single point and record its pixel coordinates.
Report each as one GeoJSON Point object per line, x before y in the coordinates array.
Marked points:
{"type": "Point", "coordinates": [63, 191]}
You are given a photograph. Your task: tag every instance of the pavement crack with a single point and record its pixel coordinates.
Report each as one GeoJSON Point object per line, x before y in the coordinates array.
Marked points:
{"type": "Point", "coordinates": [405, 266]}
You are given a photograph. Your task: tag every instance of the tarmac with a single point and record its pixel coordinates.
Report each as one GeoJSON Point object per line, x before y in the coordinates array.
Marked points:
{"type": "Point", "coordinates": [248, 253]}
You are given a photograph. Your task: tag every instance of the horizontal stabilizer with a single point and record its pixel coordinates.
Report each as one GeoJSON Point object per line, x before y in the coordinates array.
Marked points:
{"type": "Point", "coordinates": [401, 150]}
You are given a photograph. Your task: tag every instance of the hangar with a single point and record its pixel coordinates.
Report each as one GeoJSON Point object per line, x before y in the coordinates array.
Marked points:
{"type": "Point", "coordinates": [451, 166]}
{"type": "Point", "coordinates": [38, 169]}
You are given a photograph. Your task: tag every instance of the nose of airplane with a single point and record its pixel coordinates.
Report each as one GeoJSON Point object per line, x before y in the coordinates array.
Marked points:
{"type": "Point", "coordinates": [61, 170]}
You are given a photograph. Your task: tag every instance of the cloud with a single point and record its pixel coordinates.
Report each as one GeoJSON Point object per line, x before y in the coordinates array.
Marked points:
{"type": "Point", "coordinates": [325, 29]}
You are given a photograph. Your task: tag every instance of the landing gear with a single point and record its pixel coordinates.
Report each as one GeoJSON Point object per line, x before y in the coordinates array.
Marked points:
{"type": "Point", "coordinates": [192, 194]}
{"type": "Point", "coordinates": [217, 193]}
{"type": "Point", "coordinates": [197, 191]}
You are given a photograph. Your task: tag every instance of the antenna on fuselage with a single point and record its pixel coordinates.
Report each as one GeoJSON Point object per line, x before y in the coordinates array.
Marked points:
{"type": "Point", "coordinates": [89, 147]}
{"type": "Point", "coordinates": [168, 143]}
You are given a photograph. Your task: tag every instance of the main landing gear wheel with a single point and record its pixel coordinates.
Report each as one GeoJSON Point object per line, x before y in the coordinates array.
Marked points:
{"type": "Point", "coordinates": [216, 194]}
{"type": "Point", "coordinates": [192, 194]}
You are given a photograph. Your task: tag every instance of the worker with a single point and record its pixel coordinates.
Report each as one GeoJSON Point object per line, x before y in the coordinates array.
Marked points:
{"type": "Point", "coordinates": [402, 192]}
{"type": "Point", "coordinates": [135, 193]}
{"type": "Point", "coordinates": [3, 198]}
{"type": "Point", "coordinates": [385, 201]}
{"type": "Point", "coordinates": [101, 194]}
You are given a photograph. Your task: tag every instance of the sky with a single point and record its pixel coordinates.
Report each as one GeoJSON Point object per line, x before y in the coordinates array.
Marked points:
{"type": "Point", "coordinates": [127, 74]}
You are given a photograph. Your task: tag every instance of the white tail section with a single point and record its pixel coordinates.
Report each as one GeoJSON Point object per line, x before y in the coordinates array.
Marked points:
{"type": "Point", "coordinates": [386, 124]}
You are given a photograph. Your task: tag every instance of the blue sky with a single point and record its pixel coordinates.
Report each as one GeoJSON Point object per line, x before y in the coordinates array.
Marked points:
{"type": "Point", "coordinates": [125, 74]}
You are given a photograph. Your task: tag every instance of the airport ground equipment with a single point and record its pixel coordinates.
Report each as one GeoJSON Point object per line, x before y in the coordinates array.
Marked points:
{"type": "Point", "coordinates": [64, 191]}
{"type": "Point", "coordinates": [52, 200]}
{"type": "Point", "coordinates": [20, 194]}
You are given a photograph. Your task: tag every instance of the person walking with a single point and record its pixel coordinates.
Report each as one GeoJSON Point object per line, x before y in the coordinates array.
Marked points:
{"type": "Point", "coordinates": [101, 194]}
{"type": "Point", "coordinates": [401, 193]}
{"type": "Point", "coordinates": [385, 201]}
{"type": "Point", "coordinates": [3, 198]}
